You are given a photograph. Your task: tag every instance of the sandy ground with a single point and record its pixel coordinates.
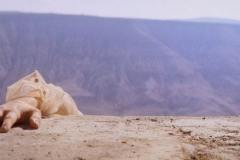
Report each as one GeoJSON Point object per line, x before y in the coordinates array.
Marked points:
{"type": "Point", "coordinates": [125, 138]}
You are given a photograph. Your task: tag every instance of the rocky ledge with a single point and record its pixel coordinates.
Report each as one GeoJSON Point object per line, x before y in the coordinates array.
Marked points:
{"type": "Point", "coordinates": [118, 138]}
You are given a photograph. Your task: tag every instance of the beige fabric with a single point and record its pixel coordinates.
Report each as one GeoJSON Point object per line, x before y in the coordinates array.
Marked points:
{"type": "Point", "coordinates": [51, 99]}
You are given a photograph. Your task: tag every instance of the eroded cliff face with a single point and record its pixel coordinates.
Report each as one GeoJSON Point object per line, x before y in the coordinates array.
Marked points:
{"type": "Point", "coordinates": [126, 66]}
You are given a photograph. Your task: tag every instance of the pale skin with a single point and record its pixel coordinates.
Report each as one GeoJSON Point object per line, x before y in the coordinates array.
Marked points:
{"type": "Point", "coordinates": [22, 110]}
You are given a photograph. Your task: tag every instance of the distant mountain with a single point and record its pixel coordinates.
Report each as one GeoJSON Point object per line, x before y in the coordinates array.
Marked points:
{"type": "Point", "coordinates": [127, 66]}
{"type": "Point", "coordinates": [215, 20]}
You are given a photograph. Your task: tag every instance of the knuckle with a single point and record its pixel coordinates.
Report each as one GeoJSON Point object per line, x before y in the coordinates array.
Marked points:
{"type": "Point", "coordinates": [11, 115]}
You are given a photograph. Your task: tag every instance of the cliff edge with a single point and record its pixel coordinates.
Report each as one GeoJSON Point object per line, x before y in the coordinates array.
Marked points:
{"type": "Point", "coordinates": [117, 138]}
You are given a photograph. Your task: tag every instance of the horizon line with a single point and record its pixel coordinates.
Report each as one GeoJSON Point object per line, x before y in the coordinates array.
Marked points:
{"type": "Point", "coordinates": [194, 19]}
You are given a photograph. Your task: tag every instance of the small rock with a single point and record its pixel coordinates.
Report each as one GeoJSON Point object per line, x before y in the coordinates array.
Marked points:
{"type": "Point", "coordinates": [187, 132]}
{"type": "Point", "coordinates": [89, 145]}
{"type": "Point", "coordinates": [79, 158]}
{"type": "Point", "coordinates": [28, 158]}
{"type": "Point", "coordinates": [54, 138]}
{"type": "Point", "coordinates": [153, 120]}
{"type": "Point", "coordinates": [171, 134]}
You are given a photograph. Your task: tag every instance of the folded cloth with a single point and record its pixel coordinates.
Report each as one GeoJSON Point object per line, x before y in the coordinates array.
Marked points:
{"type": "Point", "coordinates": [51, 99]}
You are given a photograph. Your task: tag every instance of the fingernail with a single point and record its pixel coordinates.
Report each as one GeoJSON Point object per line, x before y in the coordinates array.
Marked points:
{"type": "Point", "coordinates": [34, 125]}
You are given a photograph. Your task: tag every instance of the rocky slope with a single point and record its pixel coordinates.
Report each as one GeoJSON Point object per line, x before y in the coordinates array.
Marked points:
{"type": "Point", "coordinates": [117, 138]}
{"type": "Point", "coordinates": [127, 66]}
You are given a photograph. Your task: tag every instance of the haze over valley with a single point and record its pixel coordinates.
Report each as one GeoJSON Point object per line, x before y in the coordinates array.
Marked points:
{"type": "Point", "coordinates": [117, 66]}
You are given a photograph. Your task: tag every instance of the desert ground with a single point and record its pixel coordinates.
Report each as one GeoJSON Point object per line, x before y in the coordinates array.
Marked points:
{"type": "Point", "coordinates": [125, 138]}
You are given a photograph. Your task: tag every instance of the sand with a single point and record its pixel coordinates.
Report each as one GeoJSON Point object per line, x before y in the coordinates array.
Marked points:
{"type": "Point", "coordinates": [125, 138]}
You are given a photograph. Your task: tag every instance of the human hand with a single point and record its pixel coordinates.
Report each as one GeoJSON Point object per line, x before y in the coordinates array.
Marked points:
{"type": "Point", "coordinates": [18, 111]}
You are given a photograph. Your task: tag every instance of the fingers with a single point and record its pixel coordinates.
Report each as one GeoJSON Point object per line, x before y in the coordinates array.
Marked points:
{"type": "Point", "coordinates": [16, 112]}
{"type": "Point", "coordinates": [9, 120]}
{"type": "Point", "coordinates": [1, 113]}
{"type": "Point", "coordinates": [35, 119]}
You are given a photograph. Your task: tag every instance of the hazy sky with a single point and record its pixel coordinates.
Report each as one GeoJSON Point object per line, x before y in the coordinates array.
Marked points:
{"type": "Point", "coordinates": [155, 9]}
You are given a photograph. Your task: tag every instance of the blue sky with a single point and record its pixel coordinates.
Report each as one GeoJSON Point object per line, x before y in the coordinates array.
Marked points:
{"type": "Point", "coordinates": [153, 9]}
